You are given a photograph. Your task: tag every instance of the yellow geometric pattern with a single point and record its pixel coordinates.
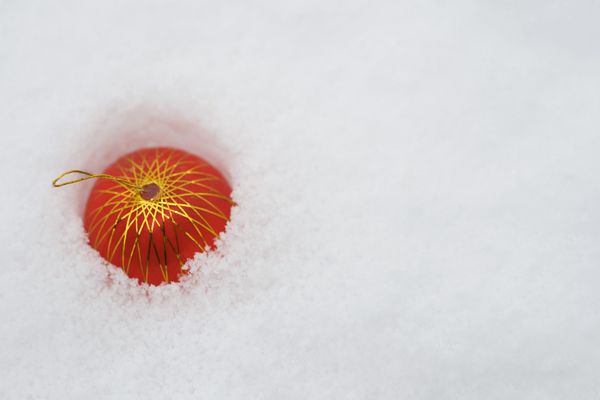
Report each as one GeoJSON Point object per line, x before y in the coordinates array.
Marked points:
{"type": "Point", "coordinates": [150, 194]}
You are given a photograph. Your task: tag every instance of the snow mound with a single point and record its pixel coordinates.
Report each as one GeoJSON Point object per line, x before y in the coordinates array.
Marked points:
{"type": "Point", "coordinates": [417, 188]}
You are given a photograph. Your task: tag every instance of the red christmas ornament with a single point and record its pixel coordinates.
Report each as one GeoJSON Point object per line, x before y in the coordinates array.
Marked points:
{"type": "Point", "coordinates": [153, 209]}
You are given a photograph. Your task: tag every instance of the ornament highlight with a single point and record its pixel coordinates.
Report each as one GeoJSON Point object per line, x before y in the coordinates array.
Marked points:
{"type": "Point", "coordinates": [153, 209]}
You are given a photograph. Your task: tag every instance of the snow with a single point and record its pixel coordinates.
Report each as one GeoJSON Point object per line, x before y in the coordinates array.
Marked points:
{"type": "Point", "coordinates": [417, 185]}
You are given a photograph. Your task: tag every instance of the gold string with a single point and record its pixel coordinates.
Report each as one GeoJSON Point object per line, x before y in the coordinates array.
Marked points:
{"type": "Point", "coordinates": [120, 181]}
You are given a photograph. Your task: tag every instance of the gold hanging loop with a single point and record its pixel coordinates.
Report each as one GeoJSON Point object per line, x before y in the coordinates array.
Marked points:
{"type": "Point", "coordinates": [87, 175]}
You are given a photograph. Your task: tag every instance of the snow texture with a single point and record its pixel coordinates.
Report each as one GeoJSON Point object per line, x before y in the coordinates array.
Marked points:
{"type": "Point", "coordinates": [418, 188]}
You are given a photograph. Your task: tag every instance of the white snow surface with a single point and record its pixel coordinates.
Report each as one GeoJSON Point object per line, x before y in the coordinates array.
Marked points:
{"type": "Point", "coordinates": [418, 188]}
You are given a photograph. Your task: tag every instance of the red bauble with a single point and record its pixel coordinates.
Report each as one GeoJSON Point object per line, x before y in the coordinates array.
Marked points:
{"type": "Point", "coordinates": [154, 210]}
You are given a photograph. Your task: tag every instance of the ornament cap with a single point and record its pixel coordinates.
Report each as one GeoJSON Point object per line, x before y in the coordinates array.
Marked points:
{"type": "Point", "coordinates": [150, 191]}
